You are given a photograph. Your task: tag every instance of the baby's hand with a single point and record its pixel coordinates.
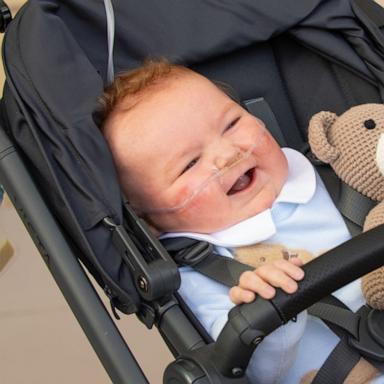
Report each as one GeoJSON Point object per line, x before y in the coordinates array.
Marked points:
{"type": "Point", "coordinates": [279, 274]}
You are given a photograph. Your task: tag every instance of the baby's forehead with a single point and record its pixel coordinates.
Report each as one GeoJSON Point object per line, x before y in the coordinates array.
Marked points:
{"type": "Point", "coordinates": [171, 101]}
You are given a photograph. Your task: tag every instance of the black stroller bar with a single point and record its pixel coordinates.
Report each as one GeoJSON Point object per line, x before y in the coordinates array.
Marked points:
{"type": "Point", "coordinates": [63, 264]}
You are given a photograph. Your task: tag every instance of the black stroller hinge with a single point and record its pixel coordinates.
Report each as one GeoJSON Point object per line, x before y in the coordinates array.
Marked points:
{"type": "Point", "coordinates": [5, 16]}
{"type": "Point", "coordinates": [154, 279]}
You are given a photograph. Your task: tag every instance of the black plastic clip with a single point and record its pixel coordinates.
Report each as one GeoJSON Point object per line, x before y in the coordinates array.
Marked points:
{"type": "Point", "coordinates": [371, 334]}
{"type": "Point", "coordinates": [193, 254]}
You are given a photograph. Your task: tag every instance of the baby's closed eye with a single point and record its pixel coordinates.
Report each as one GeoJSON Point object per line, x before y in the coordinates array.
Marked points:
{"type": "Point", "coordinates": [231, 124]}
{"type": "Point", "coordinates": [190, 165]}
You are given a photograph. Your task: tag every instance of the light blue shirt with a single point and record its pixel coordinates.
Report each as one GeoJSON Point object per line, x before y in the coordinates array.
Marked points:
{"type": "Point", "coordinates": [303, 216]}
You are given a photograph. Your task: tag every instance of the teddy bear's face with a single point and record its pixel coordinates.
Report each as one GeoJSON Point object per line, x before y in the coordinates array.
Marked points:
{"type": "Point", "coordinates": [353, 144]}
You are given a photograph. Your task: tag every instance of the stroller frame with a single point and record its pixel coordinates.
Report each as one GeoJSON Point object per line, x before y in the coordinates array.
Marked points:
{"type": "Point", "coordinates": [217, 361]}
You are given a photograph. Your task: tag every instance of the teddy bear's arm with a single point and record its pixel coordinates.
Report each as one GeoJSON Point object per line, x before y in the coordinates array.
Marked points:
{"type": "Point", "coordinates": [362, 373]}
{"type": "Point", "coordinates": [375, 217]}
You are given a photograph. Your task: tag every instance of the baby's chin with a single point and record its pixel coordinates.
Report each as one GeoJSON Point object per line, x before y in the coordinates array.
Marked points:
{"type": "Point", "coordinates": [263, 201]}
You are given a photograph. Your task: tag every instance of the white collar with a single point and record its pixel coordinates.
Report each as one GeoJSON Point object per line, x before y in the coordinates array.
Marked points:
{"type": "Point", "coordinates": [298, 189]}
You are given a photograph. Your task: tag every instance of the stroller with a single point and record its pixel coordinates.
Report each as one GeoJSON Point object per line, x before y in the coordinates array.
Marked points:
{"type": "Point", "coordinates": [59, 174]}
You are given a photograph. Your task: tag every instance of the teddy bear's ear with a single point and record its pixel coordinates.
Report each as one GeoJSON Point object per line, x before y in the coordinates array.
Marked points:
{"type": "Point", "coordinates": [318, 136]}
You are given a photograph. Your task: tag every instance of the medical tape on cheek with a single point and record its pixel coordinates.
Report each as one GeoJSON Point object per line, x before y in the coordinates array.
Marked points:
{"type": "Point", "coordinates": [238, 158]}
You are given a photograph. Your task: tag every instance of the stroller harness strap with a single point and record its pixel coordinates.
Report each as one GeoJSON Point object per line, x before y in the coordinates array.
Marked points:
{"type": "Point", "coordinates": [200, 256]}
{"type": "Point", "coordinates": [339, 363]}
{"type": "Point", "coordinates": [353, 205]}
{"type": "Point", "coordinates": [341, 317]}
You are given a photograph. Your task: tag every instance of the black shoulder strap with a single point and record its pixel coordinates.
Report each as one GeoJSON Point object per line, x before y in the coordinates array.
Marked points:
{"type": "Point", "coordinates": [260, 108]}
{"type": "Point", "coordinates": [353, 206]}
{"type": "Point", "coordinates": [200, 256]}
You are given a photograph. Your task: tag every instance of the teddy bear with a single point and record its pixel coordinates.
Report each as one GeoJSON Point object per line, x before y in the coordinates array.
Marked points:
{"type": "Point", "coordinates": [353, 145]}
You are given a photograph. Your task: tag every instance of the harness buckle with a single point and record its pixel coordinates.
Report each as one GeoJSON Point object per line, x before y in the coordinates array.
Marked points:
{"type": "Point", "coordinates": [193, 254]}
{"type": "Point", "coordinates": [370, 342]}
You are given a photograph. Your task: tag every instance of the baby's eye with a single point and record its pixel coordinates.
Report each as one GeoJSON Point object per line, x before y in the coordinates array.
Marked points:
{"type": "Point", "coordinates": [232, 124]}
{"type": "Point", "coordinates": [190, 165]}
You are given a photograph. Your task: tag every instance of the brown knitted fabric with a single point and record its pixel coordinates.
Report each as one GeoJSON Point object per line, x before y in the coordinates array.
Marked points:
{"type": "Point", "coordinates": [375, 217]}
{"type": "Point", "coordinates": [353, 145]}
{"type": "Point", "coordinates": [319, 126]}
{"type": "Point", "coordinates": [349, 144]}
{"type": "Point", "coordinates": [362, 373]}
{"type": "Point", "coordinates": [373, 283]}
{"type": "Point", "coordinates": [258, 254]}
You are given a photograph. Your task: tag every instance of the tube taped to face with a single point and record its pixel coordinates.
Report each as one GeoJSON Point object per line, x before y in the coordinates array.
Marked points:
{"type": "Point", "coordinates": [240, 156]}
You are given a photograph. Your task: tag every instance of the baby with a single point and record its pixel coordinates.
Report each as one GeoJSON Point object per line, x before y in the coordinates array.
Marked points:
{"type": "Point", "coordinates": [192, 162]}
{"type": "Point", "coordinates": [167, 136]}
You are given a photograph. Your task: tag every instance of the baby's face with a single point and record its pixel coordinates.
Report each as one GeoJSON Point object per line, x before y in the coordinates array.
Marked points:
{"type": "Point", "coordinates": [169, 146]}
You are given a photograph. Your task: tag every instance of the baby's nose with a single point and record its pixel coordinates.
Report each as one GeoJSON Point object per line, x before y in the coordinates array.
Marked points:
{"type": "Point", "coordinates": [227, 159]}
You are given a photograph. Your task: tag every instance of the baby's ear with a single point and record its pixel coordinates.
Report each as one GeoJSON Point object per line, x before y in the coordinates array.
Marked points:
{"type": "Point", "coordinates": [318, 136]}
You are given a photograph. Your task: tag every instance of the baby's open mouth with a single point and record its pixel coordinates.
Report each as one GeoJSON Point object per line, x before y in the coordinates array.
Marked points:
{"type": "Point", "coordinates": [243, 182]}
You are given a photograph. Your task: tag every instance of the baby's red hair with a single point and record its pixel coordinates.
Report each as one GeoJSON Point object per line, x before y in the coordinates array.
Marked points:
{"type": "Point", "coordinates": [131, 86]}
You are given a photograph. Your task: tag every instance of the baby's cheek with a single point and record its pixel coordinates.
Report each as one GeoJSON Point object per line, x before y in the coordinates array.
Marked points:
{"type": "Point", "coordinates": [264, 142]}
{"type": "Point", "coordinates": [206, 201]}
{"type": "Point", "coordinates": [182, 196]}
